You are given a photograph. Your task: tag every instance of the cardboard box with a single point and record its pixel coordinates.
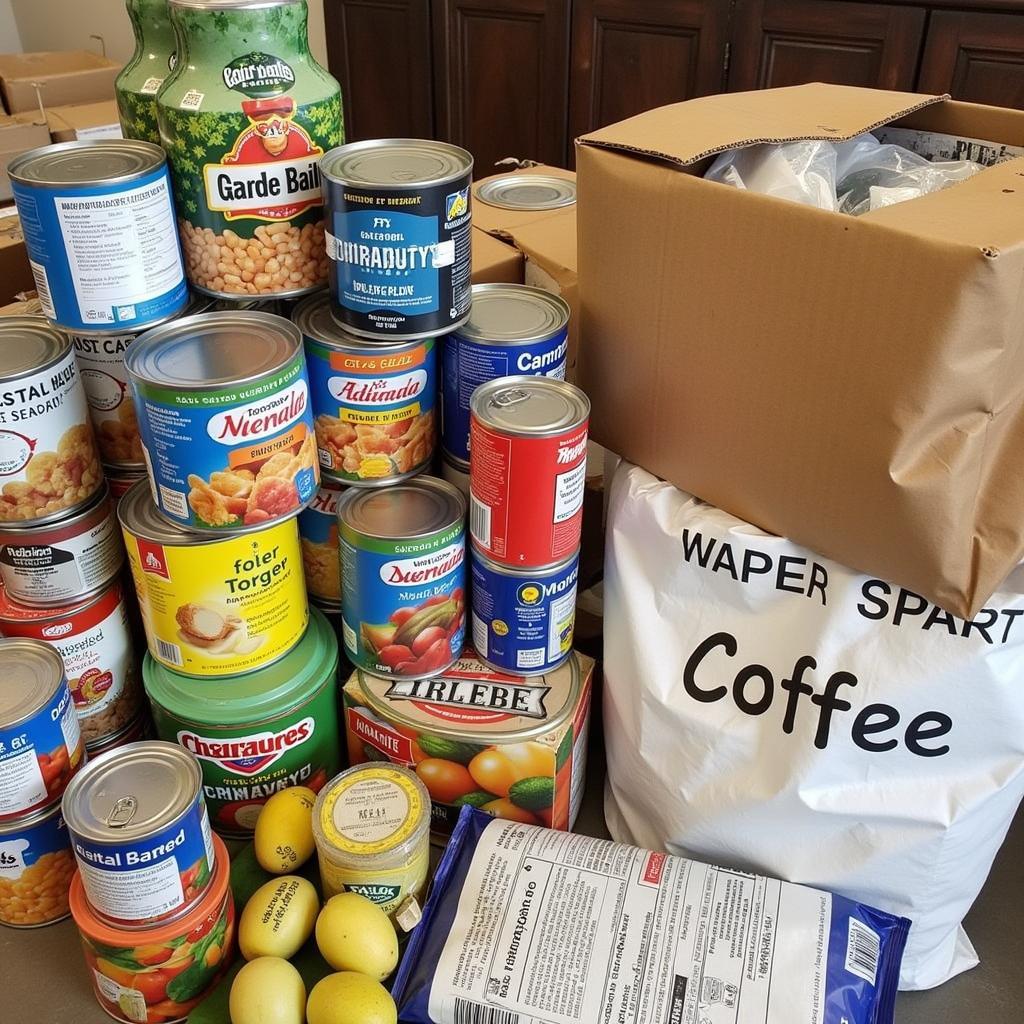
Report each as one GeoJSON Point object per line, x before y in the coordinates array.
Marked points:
{"type": "Point", "coordinates": [17, 134]}
{"type": "Point", "coordinates": [850, 383]}
{"type": "Point", "coordinates": [495, 261]}
{"type": "Point", "coordinates": [84, 122]}
{"type": "Point", "coordinates": [63, 76]}
{"type": "Point", "coordinates": [15, 273]}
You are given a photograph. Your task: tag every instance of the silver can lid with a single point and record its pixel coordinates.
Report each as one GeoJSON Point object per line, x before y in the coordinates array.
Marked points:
{"type": "Point", "coordinates": [418, 508]}
{"type": "Point", "coordinates": [527, 192]}
{"type": "Point", "coordinates": [27, 344]}
{"type": "Point", "coordinates": [33, 673]}
{"type": "Point", "coordinates": [396, 163]}
{"type": "Point", "coordinates": [213, 350]}
{"type": "Point", "coordinates": [530, 406]}
{"type": "Point", "coordinates": [313, 318]}
{"type": "Point", "coordinates": [131, 792]}
{"type": "Point", "coordinates": [513, 314]}
{"type": "Point", "coordinates": [86, 163]}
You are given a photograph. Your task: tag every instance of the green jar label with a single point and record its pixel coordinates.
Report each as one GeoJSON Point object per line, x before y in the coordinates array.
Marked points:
{"type": "Point", "coordinates": [141, 78]}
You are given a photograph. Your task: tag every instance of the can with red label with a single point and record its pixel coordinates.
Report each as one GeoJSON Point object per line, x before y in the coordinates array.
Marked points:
{"type": "Point", "coordinates": [528, 464]}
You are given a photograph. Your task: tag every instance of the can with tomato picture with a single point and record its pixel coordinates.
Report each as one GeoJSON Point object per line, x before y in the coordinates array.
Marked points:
{"type": "Point", "coordinates": [512, 746]}
{"type": "Point", "coordinates": [159, 973]}
{"type": "Point", "coordinates": [140, 833]}
{"type": "Point", "coordinates": [527, 469]}
{"type": "Point", "coordinates": [403, 571]}
{"type": "Point", "coordinates": [41, 744]}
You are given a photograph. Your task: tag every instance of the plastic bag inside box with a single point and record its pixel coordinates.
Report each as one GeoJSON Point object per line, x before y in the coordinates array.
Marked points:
{"type": "Point", "coordinates": [769, 709]}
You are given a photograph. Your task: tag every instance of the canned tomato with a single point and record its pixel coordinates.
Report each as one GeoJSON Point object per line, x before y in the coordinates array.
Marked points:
{"type": "Point", "coordinates": [533, 192]}
{"type": "Point", "coordinates": [62, 562]}
{"type": "Point", "coordinates": [318, 530]}
{"type": "Point", "coordinates": [159, 972]}
{"type": "Point", "coordinates": [257, 734]}
{"type": "Point", "coordinates": [140, 833]}
{"type": "Point", "coordinates": [47, 451]}
{"type": "Point", "coordinates": [512, 330]}
{"type": "Point", "coordinates": [514, 747]}
{"type": "Point", "coordinates": [456, 472]}
{"type": "Point", "coordinates": [36, 866]}
{"type": "Point", "coordinates": [214, 604]}
{"type": "Point", "coordinates": [399, 236]}
{"type": "Point", "coordinates": [139, 728]}
{"type": "Point", "coordinates": [528, 465]}
{"type": "Point", "coordinates": [374, 403]}
{"type": "Point", "coordinates": [41, 744]}
{"type": "Point", "coordinates": [403, 577]}
{"type": "Point", "coordinates": [99, 227]}
{"type": "Point", "coordinates": [227, 431]}
{"type": "Point", "coordinates": [94, 639]}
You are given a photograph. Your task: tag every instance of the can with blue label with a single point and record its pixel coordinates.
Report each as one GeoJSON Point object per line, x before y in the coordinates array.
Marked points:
{"type": "Point", "coordinates": [513, 330]}
{"type": "Point", "coordinates": [399, 236]}
{"type": "Point", "coordinates": [36, 866]}
{"type": "Point", "coordinates": [140, 832]}
{"type": "Point", "coordinates": [523, 619]}
{"type": "Point", "coordinates": [101, 235]}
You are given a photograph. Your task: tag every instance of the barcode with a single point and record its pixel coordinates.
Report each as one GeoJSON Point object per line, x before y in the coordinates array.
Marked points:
{"type": "Point", "coordinates": [43, 289]}
{"type": "Point", "coordinates": [467, 1012]}
{"type": "Point", "coordinates": [480, 521]}
{"type": "Point", "coordinates": [862, 950]}
{"type": "Point", "coordinates": [192, 100]}
{"type": "Point", "coordinates": [169, 652]}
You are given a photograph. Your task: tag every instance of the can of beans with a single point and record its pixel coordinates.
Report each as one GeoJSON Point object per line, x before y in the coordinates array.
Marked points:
{"type": "Point", "coordinates": [456, 472]}
{"type": "Point", "coordinates": [318, 531]}
{"type": "Point", "coordinates": [528, 464]}
{"type": "Point", "coordinates": [36, 866]}
{"type": "Point", "coordinates": [374, 403]}
{"type": "Point", "coordinates": [62, 562]}
{"type": "Point", "coordinates": [512, 330]}
{"type": "Point", "coordinates": [523, 618]}
{"type": "Point", "coordinates": [399, 236]}
{"type": "Point", "coordinates": [224, 413]}
{"type": "Point", "coordinates": [140, 833]}
{"type": "Point", "coordinates": [99, 227]}
{"type": "Point", "coordinates": [403, 576]}
{"type": "Point", "coordinates": [48, 455]}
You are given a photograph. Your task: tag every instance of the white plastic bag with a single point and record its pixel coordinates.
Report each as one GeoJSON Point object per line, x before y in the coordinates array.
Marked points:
{"type": "Point", "coordinates": [803, 172]}
{"type": "Point", "coordinates": [730, 658]}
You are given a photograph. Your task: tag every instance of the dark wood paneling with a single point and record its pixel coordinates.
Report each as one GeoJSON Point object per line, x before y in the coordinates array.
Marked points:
{"type": "Point", "coordinates": [975, 57]}
{"type": "Point", "coordinates": [789, 42]}
{"type": "Point", "coordinates": [502, 78]}
{"type": "Point", "coordinates": [380, 52]}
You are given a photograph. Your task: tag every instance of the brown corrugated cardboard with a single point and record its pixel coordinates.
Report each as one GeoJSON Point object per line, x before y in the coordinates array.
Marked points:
{"type": "Point", "coordinates": [63, 76]}
{"type": "Point", "coordinates": [84, 121]}
{"type": "Point", "coordinates": [495, 261]}
{"type": "Point", "coordinates": [852, 383]}
{"type": "Point", "coordinates": [17, 134]}
{"type": "Point", "coordinates": [15, 273]}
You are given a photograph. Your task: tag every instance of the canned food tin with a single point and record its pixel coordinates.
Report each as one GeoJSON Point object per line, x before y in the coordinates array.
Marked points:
{"type": "Point", "coordinates": [533, 192]}
{"type": "Point", "coordinates": [159, 972]}
{"type": "Point", "coordinates": [140, 833]}
{"type": "Point", "coordinates": [257, 734]}
{"type": "Point", "coordinates": [528, 466]}
{"type": "Point", "coordinates": [36, 866]}
{"type": "Point", "coordinates": [523, 618]}
{"type": "Point", "coordinates": [403, 577]}
{"type": "Point", "coordinates": [139, 728]}
{"type": "Point", "coordinates": [399, 236]}
{"type": "Point", "coordinates": [227, 431]}
{"type": "Point", "coordinates": [41, 744]}
{"type": "Point", "coordinates": [318, 530]}
{"type": "Point", "coordinates": [99, 227]}
{"type": "Point", "coordinates": [47, 451]}
{"type": "Point", "coordinates": [65, 561]}
{"type": "Point", "coordinates": [94, 639]}
{"type": "Point", "coordinates": [456, 472]}
{"type": "Point", "coordinates": [512, 330]}
{"type": "Point", "coordinates": [374, 404]}
{"type": "Point", "coordinates": [214, 604]}
{"type": "Point", "coordinates": [121, 482]}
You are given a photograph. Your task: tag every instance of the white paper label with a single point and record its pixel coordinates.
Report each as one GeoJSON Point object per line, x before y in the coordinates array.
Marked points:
{"type": "Point", "coordinates": [569, 488]}
{"type": "Point", "coordinates": [21, 781]}
{"type": "Point", "coordinates": [371, 811]}
{"type": "Point", "coordinates": [130, 1001]}
{"type": "Point", "coordinates": [137, 894]}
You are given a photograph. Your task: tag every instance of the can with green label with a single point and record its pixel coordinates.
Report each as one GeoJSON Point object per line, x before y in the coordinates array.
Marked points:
{"type": "Point", "coordinates": [140, 79]}
{"type": "Point", "coordinates": [258, 733]}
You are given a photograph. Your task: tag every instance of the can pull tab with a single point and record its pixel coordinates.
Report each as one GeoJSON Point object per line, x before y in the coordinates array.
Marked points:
{"type": "Point", "coordinates": [122, 812]}
{"type": "Point", "coordinates": [511, 396]}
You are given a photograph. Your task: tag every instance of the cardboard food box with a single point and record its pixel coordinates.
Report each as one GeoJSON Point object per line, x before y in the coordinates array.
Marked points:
{"type": "Point", "coordinates": [852, 383]}
{"type": "Point", "coordinates": [63, 76]}
{"type": "Point", "coordinates": [15, 272]}
{"type": "Point", "coordinates": [495, 261]}
{"type": "Point", "coordinates": [17, 134]}
{"type": "Point", "coordinates": [84, 122]}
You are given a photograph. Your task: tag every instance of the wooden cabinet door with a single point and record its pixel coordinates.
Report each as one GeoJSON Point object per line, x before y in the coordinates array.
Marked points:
{"type": "Point", "coordinates": [502, 78]}
{"type": "Point", "coordinates": [631, 55]}
{"type": "Point", "coordinates": [975, 57]}
{"type": "Point", "coordinates": [380, 52]}
{"type": "Point", "coordinates": [789, 42]}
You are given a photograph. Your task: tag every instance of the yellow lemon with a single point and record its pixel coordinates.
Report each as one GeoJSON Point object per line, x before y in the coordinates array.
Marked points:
{"type": "Point", "coordinates": [354, 934]}
{"type": "Point", "coordinates": [267, 990]}
{"type": "Point", "coordinates": [278, 918]}
{"type": "Point", "coordinates": [350, 998]}
{"type": "Point", "coordinates": [284, 830]}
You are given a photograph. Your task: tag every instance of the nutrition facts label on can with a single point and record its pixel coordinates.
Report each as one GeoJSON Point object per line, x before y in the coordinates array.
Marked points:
{"type": "Point", "coordinates": [21, 781]}
{"type": "Point", "coordinates": [136, 894]}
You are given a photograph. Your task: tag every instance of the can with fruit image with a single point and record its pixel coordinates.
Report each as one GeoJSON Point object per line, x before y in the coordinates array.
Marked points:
{"type": "Point", "coordinates": [245, 117]}
{"type": "Point", "coordinates": [135, 88]}
{"type": "Point", "coordinates": [318, 530]}
{"type": "Point", "coordinates": [256, 734]}
{"type": "Point", "coordinates": [513, 747]}
{"type": "Point", "coordinates": [159, 972]}
{"type": "Point", "coordinates": [403, 573]}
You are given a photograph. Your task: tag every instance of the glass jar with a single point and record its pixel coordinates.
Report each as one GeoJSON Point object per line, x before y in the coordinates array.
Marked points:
{"type": "Point", "coordinates": [140, 79]}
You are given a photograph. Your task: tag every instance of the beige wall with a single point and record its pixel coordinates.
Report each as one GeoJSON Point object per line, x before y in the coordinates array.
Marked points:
{"type": "Point", "coordinates": [10, 40]}
{"type": "Point", "coordinates": [67, 25]}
